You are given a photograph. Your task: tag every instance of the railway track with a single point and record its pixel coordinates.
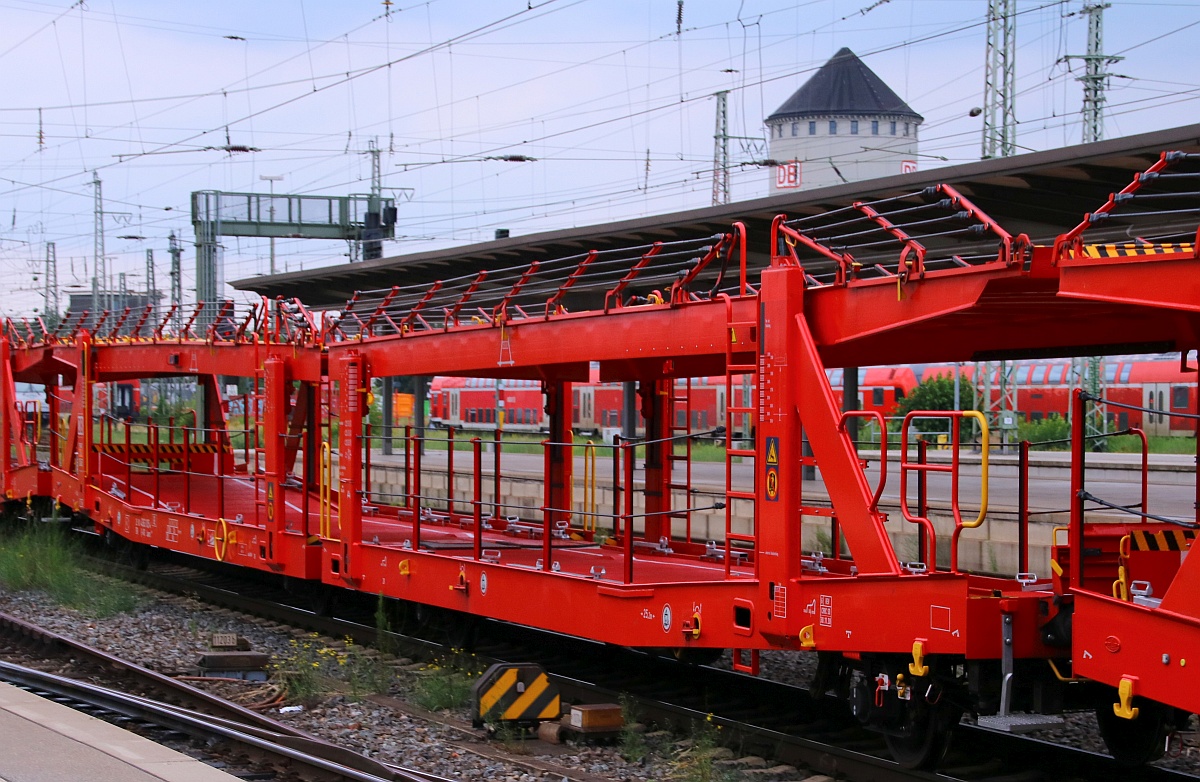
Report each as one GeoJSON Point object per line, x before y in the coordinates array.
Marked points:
{"type": "Point", "coordinates": [157, 703]}
{"type": "Point", "coordinates": [758, 716]}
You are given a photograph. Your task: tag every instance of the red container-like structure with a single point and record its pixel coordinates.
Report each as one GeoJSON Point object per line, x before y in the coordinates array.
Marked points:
{"type": "Point", "coordinates": [272, 471]}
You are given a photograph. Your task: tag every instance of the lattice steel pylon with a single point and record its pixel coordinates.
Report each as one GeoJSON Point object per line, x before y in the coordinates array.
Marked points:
{"type": "Point", "coordinates": [176, 253]}
{"type": "Point", "coordinates": [996, 389]}
{"type": "Point", "coordinates": [999, 81]}
{"type": "Point", "coordinates": [720, 184]}
{"type": "Point", "coordinates": [50, 313]}
{"type": "Point", "coordinates": [1095, 77]}
{"type": "Point", "coordinates": [100, 284]}
{"type": "Point", "coordinates": [1087, 372]}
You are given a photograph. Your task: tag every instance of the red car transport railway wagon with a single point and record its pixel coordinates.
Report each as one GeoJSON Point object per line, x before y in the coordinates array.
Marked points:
{"type": "Point", "coordinates": [284, 485]}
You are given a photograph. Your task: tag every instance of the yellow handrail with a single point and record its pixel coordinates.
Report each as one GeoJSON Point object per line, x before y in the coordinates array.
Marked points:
{"type": "Point", "coordinates": [983, 467]}
{"type": "Point", "coordinates": [589, 486]}
{"type": "Point", "coordinates": [325, 492]}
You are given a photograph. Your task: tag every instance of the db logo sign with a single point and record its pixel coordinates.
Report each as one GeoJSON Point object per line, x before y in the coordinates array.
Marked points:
{"type": "Point", "coordinates": [787, 175]}
{"type": "Point", "coordinates": [908, 166]}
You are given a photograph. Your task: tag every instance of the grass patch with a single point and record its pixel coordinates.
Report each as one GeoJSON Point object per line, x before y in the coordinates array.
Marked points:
{"type": "Point", "coordinates": [445, 684]}
{"type": "Point", "coordinates": [42, 557]}
{"type": "Point", "coordinates": [633, 734]}
{"type": "Point", "coordinates": [311, 670]}
{"type": "Point", "coordinates": [696, 760]}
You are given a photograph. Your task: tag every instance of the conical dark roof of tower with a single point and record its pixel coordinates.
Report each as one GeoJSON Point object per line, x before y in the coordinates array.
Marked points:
{"type": "Point", "coordinates": [844, 86]}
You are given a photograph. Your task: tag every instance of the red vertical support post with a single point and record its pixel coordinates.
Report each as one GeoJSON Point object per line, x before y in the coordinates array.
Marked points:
{"type": "Point", "coordinates": [8, 405]}
{"type": "Point", "coordinates": [52, 392]}
{"type": "Point", "coordinates": [548, 506]}
{"type": "Point", "coordinates": [1073, 575]}
{"type": "Point", "coordinates": [367, 465]}
{"type": "Point", "coordinates": [496, 476]}
{"type": "Point", "coordinates": [450, 473]}
{"type": "Point", "coordinates": [154, 434]}
{"type": "Point", "coordinates": [187, 471]}
{"type": "Point", "coordinates": [415, 496]}
{"type": "Point", "coordinates": [923, 503]}
{"type": "Point", "coordinates": [778, 443]}
{"type": "Point", "coordinates": [408, 464]}
{"type": "Point", "coordinates": [83, 410]}
{"type": "Point", "coordinates": [628, 454]}
{"type": "Point", "coordinates": [1022, 506]}
{"type": "Point", "coordinates": [275, 430]}
{"type": "Point", "coordinates": [560, 471]}
{"type": "Point", "coordinates": [128, 462]}
{"type": "Point", "coordinates": [352, 385]}
{"type": "Point", "coordinates": [655, 397]}
{"type": "Point", "coordinates": [477, 447]}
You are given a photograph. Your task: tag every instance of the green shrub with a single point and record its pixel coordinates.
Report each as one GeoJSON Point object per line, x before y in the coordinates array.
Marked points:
{"type": "Point", "coordinates": [42, 557]}
{"type": "Point", "coordinates": [1047, 433]}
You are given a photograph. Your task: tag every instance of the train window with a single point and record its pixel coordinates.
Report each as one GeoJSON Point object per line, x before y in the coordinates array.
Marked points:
{"type": "Point", "coordinates": [681, 418]}
{"type": "Point", "coordinates": [1161, 406]}
{"type": "Point", "coordinates": [1122, 420]}
{"type": "Point", "coordinates": [1022, 375]}
{"type": "Point", "coordinates": [1035, 416]}
{"type": "Point", "coordinates": [877, 397]}
{"type": "Point", "coordinates": [1110, 373]}
{"type": "Point", "coordinates": [862, 377]}
{"type": "Point", "coordinates": [1038, 375]}
{"type": "Point", "coordinates": [1179, 397]}
{"type": "Point", "coordinates": [837, 377]}
{"type": "Point", "coordinates": [703, 419]}
{"type": "Point", "coordinates": [1126, 371]}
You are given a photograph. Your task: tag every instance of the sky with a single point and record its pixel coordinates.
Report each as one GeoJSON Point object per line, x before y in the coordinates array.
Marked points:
{"type": "Point", "coordinates": [612, 100]}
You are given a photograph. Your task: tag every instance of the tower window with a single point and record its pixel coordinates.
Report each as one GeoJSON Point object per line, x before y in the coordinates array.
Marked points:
{"type": "Point", "coordinates": [795, 129]}
{"type": "Point", "coordinates": [812, 128]}
{"type": "Point", "coordinates": [893, 128]}
{"type": "Point", "coordinates": [853, 127]}
{"type": "Point", "coordinates": [906, 128]}
{"type": "Point", "coordinates": [833, 127]}
{"type": "Point", "coordinates": [874, 127]}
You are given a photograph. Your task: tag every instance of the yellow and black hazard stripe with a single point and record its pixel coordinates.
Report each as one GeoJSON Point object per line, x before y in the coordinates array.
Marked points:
{"type": "Point", "coordinates": [164, 449]}
{"type": "Point", "coordinates": [515, 692]}
{"type": "Point", "coordinates": [1164, 540]}
{"type": "Point", "coordinates": [1133, 248]}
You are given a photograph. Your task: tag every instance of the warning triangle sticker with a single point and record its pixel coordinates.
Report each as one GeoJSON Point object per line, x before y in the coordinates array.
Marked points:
{"type": "Point", "coordinates": [772, 452]}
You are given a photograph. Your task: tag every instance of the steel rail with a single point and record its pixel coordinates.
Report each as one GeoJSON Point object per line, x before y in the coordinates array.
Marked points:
{"type": "Point", "coordinates": [221, 720]}
{"type": "Point", "coordinates": [310, 754]}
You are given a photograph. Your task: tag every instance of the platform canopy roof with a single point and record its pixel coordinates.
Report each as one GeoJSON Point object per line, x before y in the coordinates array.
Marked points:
{"type": "Point", "coordinates": [1041, 194]}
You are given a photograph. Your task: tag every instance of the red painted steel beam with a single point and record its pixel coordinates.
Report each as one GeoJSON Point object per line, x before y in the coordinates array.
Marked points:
{"type": "Point", "coordinates": [559, 347]}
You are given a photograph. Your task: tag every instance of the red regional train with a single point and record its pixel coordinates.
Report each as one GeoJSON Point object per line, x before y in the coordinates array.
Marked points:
{"type": "Point", "coordinates": [1151, 389]}
{"type": "Point", "coordinates": [915, 645]}
{"type": "Point", "coordinates": [471, 403]}
{"type": "Point", "coordinates": [1147, 391]}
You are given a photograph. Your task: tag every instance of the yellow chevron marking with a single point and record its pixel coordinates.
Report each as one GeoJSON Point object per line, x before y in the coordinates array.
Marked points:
{"type": "Point", "coordinates": [535, 688]}
{"type": "Point", "coordinates": [497, 690]}
{"type": "Point", "coordinates": [1133, 248]}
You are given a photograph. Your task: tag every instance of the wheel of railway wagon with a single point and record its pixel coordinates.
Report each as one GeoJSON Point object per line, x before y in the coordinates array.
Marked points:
{"type": "Point", "coordinates": [1138, 741]}
{"type": "Point", "coordinates": [929, 728]}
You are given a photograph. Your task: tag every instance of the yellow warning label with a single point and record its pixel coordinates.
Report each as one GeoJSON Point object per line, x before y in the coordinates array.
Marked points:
{"type": "Point", "coordinates": [772, 450]}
